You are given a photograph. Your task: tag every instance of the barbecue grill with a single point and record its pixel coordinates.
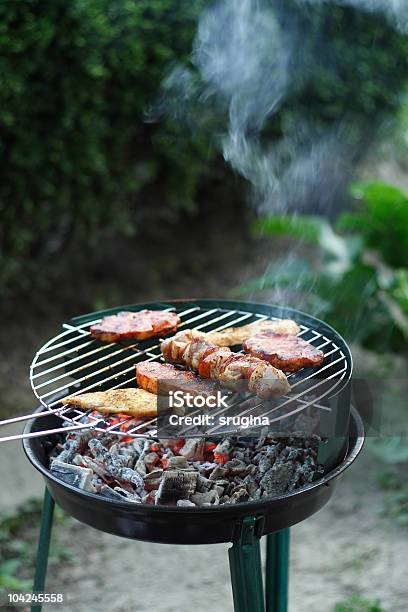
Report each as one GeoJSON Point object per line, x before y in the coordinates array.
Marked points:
{"type": "Point", "coordinates": [73, 362]}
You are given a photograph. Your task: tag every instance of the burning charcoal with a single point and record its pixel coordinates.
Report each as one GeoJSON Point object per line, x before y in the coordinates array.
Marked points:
{"type": "Point", "coordinates": [177, 463]}
{"type": "Point", "coordinates": [205, 468]}
{"type": "Point", "coordinates": [111, 493]}
{"type": "Point", "coordinates": [241, 455]}
{"type": "Point", "coordinates": [251, 484]}
{"type": "Point", "coordinates": [218, 472]}
{"type": "Point", "coordinates": [114, 449]}
{"type": "Point", "coordinates": [229, 489]}
{"type": "Point", "coordinates": [204, 484]}
{"type": "Point", "coordinates": [175, 485]}
{"type": "Point", "coordinates": [220, 490]}
{"type": "Point", "coordinates": [224, 499]}
{"type": "Point", "coordinates": [97, 483]}
{"type": "Point", "coordinates": [222, 482]}
{"type": "Point", "coordinates": [152, 480]}
{"type": "Point", "coordinates": [97, 449]}
{"type": "Point", "coordinates": [140, 466]}
{"type": "Point", "coordinates": [185, 503]}
{"type": "Point", "coordinates": [149, 498]}
{"type": "Point", "coordinates": [277, 479]}
{"type": "Point", "coordinates": [236, 467]}
{"type": "Point", "coordinates": [206, 499]}
{"type": "Point", "coordinates": [138, 444]}
{"type": "Point", "coordinates": [70, 450]}
{"type": "Point", "coordinates": [128, 496]}
{"type": "Point", "coordinates": [193, 449]}
{"type": "Point", "coordinates": [265, 464]}
{"type": "Point", "coordinates": [239, 496]}
{"type": "Point", "coordinates": [73, 474]}
{"type": "Point", "coordinates": [223, 447]}
{"type": "Point", "coordinates": [222, 451]}
{"type": "Point", "coordinates": [132, 476]}
{"type": "Point", "coordinates": [150, 460]}
{"type": "Point", "coordinates": [96, 466]}
{"type": "Point", "coordinates": [77, 460]}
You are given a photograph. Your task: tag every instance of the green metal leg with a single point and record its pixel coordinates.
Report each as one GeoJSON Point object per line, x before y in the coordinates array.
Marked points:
{"type": "Point", "coordinates": [43, 547]}
{"type": "Point", "coordinates": [277, 571]}
{"type": "Point", "coordinates": [246, 570]}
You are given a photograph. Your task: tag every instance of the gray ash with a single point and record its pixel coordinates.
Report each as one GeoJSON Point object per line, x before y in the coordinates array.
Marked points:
{"type": "Point", "coordinates": [191, 472]}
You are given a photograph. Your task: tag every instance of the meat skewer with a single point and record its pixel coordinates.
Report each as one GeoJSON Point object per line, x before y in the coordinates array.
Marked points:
{"type": "Point", "coordinates": [232, 336]}
{"type": "Point", "coordinates": [135, 325]}
{"type": "Point", "coordinates": [192, 349]}
{"type": "Point", "coordinates": [137, 403]}
{"type": "Point", "coordinates": [288, 353]}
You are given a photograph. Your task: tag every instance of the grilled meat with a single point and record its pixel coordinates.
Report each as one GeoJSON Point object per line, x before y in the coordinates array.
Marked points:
{"type": "Point", "coordinates": [135, 325]}
{"type": "Point", "coordinates": [191, 349]}
{"type": "Point", "coordinates": [160, 378]}
{"type": "Point", "coordinates": [289, 353]}
{"type": "Point", "coordinates": [137, 403]}
{"type": "Point", "coordinates": [233, 336]}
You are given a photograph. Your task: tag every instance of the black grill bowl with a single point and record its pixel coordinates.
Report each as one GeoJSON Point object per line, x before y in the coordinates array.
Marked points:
{"type": "Point", "coordinates": [171, 525]}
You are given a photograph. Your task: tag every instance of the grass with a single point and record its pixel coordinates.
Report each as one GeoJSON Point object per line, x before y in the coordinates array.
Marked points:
{"type": "Point", "coordinates": [355, 603]}
{"type": "Point", "coordinates": [18, 545]}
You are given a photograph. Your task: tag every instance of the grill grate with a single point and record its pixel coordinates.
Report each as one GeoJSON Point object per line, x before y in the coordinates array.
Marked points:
{"type": "Point", "coordinates": [73, 362]}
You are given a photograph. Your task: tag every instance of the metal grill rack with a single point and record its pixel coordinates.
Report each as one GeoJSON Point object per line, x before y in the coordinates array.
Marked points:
{"type": "Point", "coordinates": [73, 362]}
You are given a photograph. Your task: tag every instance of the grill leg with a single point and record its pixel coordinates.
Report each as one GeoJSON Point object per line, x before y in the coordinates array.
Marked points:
{"type": "Point", "coordinates": [43, 547]}
{"type": "Point", "coordinates": [246, 570]}
{"type": "Point", "coordinates": [277, 571]}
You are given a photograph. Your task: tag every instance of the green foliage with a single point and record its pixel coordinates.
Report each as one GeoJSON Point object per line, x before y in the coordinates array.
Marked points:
{"type": "Point", "coordinates": [352, 285]}
{"type": "Point", "coordinates": [18, 545]}
{"type": "Point", "coordinates": [382, 219]}
{"type": "Point", "coordinates": [355, 603]}
{"type": "Point", "coordinates": [76, 79]}
{"type": "Point", "coordinates": [344, 74]}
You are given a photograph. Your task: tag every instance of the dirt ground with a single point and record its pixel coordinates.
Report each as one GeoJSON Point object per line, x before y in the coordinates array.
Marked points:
{"type": "Point", "coordinates": [348, 547]}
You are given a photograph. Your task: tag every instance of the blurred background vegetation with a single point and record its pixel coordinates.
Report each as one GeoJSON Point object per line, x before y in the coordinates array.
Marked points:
{"type": "Point", "coordinates": [80, 161]}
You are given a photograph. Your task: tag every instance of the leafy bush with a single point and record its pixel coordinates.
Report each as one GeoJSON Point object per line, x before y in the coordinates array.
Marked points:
{"type": "Point", "coordinates": [352, 284]}
{"type": "Point", "coordinates": [77, 77]}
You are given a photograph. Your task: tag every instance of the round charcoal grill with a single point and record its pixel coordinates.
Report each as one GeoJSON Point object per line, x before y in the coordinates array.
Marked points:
{"type": "Point", "coordinates": [73, 363]}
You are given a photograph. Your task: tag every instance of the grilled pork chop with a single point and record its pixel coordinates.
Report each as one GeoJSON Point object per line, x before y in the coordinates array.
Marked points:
{"type": "Point", "coordinates": [134, 402]}
{"type": "Point", "coordinates": [288, 353]}
{"type": "Point", "coordinates": [233, 336]}
{"type": "Point", "coordinates": [135, 325]}
{"type": "Point", "coordinates": [160, 378]}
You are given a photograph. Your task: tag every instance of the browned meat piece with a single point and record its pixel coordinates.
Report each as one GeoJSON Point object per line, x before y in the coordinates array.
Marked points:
{"type": "Point", "coordinates": [191, 349]}
{"type": "Point", "coordinates": [160, 378]}
{"type": "Point", "coordinates": [289, 353]}
{"type": "Point", "coordinates": [173, 348]}
{"type": "Point", "coordinates": [233, 336]}
{"type": "Point", "coordinates": [135, 325]}
{"type": "Point", "coordinates": [134, 402]}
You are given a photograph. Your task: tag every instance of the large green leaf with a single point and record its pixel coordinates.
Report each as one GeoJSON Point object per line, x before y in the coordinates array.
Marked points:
{"type": "Point", "coordinates": [307, 228]}
{"type": "Point", "coordinates": [381, 218]}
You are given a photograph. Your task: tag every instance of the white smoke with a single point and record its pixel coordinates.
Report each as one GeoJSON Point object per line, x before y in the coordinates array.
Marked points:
{"type": "Point", "coordinates": [244, 58]}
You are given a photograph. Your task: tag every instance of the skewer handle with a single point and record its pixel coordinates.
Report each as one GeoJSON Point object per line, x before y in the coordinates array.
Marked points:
{"type": "Point", "coordinates": [38, 434]}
